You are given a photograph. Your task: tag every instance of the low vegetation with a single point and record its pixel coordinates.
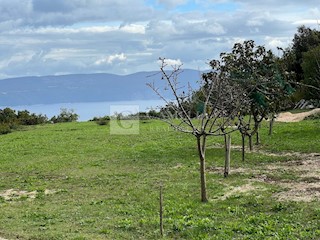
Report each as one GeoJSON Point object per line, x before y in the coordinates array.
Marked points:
{"type": "Point", "coordinates": [76, 181]}
{"type": "Point", "coordinates": [11, 119]}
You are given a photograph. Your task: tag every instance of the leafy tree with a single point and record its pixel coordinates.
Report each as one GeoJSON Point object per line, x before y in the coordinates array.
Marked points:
{"type": "Point", "coordinates": [257, 73]}
{"type": "Point", "coordinates": [311, 69]}
{"type": "Point", "coordinates": [8, 115]}
{"type": "Point", "coordinates": [304, 41]}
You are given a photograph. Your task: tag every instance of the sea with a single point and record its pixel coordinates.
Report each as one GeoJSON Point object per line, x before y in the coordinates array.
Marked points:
{"type": "Point", "coordinates": [89, 110]}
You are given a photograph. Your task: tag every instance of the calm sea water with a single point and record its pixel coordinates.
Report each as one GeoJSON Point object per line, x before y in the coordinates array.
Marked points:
{"type": "Point", "coordinates": [87, 111]}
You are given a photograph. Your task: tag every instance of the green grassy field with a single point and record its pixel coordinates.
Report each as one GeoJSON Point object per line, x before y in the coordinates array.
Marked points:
{"type": "Point", "coordinates": [80, 182]}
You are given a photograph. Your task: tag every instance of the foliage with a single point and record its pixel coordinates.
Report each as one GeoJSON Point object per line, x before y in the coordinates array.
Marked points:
{"type": "Point", "coordinates": [26, 118]}
{"type": "Point", "coordinates": [257, 71]}
{"type": "Point", "coordinates": [101, 120]}
{"type": "Point", "coordinates": [5, 128]}
{"type": "Point", "coordinates": [65, 116]}
{"type": "Point", "coordinates": [264, 86]}
{"type": "Point", "coordinates": [10, 119]}
{"type": "Point", "coordinates": [304, 41]}
{"type": "Point", "coordinates": [311, 70]}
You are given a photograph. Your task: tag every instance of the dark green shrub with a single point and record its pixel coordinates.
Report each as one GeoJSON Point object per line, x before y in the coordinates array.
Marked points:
{"type": "Point", "coordinates": [25, 118]}
{"type": "Point", "coordinates": [65, 116]}
{"type": "Point", "coordinates": [101, 120]}
{"type": "Point", "coordinates": [5, 128]}
{"type": "Point", "coordinates": [8, 115]}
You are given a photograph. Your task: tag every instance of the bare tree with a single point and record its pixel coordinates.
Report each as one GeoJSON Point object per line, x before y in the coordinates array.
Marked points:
{"type": "Point", "coordinates": [218, 102]}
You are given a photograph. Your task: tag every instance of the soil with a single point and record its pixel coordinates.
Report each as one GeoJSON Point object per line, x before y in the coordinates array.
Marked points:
{"type": "Point", "coordinates": [305, 168]}
{"type": "Point", "coordinates": [304, 184]}
{"type": "Point", "coordinates": [295, 117]}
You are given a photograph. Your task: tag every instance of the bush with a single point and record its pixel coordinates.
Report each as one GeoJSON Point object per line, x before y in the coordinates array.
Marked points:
{"type": "Point", "coordinates": [101, 120]}
{"type": "Point", "coordinates": [65, 116]}
{"type": "Point", "coordinates": [25, 118]}
{"type": "Point", "coordinates": [5, 128]}
{"type": "Point", "coordinates": [10, 120]}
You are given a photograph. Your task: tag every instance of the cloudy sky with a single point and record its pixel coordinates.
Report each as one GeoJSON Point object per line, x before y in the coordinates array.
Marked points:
{"type": "Point", "coordinates": [52, 37]}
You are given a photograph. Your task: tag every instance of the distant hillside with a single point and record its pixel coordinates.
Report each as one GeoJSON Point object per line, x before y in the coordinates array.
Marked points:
{"type": "Point", "coordinates": [83, 88]}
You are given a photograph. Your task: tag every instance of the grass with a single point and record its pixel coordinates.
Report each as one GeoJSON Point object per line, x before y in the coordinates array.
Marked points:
{"type": "Point", "coordinates": [106, 186]}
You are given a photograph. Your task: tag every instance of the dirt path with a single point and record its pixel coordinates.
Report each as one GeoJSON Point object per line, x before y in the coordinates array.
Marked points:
{"type": "Point", "coordinates": [296, 117]}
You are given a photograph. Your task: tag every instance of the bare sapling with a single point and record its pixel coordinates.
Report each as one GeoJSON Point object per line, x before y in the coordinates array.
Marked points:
{"type": "Point", "coordinates": [217, 102]}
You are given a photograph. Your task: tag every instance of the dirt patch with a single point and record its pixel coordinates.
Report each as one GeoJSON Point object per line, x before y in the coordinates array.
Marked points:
{"type": "Point", "coordinates": [304, 185]}
{"type": "Point", "coordinates": [14, 194]}
{"type": "Point", "coordinates": [295, 117]}
{"type": "Point", "coordinates": [299, 192]}
{"type": "Point", "coordinates": [307, 185]}
{"type": "Point", "coordinates": [239, 190]}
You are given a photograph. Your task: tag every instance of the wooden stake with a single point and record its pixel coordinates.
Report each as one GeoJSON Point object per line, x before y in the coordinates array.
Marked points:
{"type": "Point", "coordinates": [227, 155]}
{"type": "Point", "coordinates": [161, 211]}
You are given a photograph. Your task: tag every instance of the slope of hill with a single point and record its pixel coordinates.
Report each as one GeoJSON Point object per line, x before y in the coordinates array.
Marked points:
{"type": "Point", "coordinates": [83, 88]}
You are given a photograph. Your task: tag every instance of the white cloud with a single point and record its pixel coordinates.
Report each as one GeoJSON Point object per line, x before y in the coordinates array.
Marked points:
{"type": "Point", "coordinates": [171, 62]}
{"type": "Point", "coordinates": [254, 22]}
{"type": "Point", "coordinates": [275, 42]}
{"type": "Point", "coordinates": [111, 59]}
{"type": "Point", "coordinates": [315, 12]}
{"type": "Point", "coordinates": [42, 37]}
{"type": "Point", "coordinates": [61, 54]}
{"type": "Point", "coordinates": [306, 22]}
{"type": "Point", "coordinates": [18, 58]}
{"type": "Point", "coordinates": [129, 28]}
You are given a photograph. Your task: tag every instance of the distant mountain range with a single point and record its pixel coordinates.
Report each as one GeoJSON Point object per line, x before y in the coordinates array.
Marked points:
{"type": "Point", "coordinates": [75, 88]}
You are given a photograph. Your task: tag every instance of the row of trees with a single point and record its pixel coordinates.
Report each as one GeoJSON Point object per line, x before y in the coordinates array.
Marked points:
{"type": "Point", "coordinates": [244, 87]}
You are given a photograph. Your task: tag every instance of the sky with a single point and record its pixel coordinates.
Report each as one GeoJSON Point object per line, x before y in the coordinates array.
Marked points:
{"type": "Point", "coordinates": [56, 37]}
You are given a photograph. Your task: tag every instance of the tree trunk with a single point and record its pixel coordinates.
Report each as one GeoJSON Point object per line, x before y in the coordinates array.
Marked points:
{"type": "Point", "coordinates": [271, 125]}
{"type": "Point", "coordinates": [243, 146]}
{"type": "Point", "coordinates": [161, 211]}
{"type": "Point", "coordinates": [250, 143]}
{"type": "Point", "coordinates": [201, 141]}
{"type": "Point", "coordinates": [227, 141]}
{"type": "Point", "coordinates": [257, 138]}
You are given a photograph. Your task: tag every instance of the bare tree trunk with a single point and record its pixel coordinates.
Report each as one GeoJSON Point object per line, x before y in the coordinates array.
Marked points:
{"type": "Point", "coordinates": [227, 141]}
{"type": "Point", "coordinates": [161, 211]}
{"type": "Point", "coordinates": [257, 138]}
{"type": "Point", "coordinates": [271, 125]}
{"type": "Point", "coordinates": [243, 146]}
{"type": "Point", "coordinates": [201, 141]}
{"type": "Point", "coordinates": [250, 142]}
